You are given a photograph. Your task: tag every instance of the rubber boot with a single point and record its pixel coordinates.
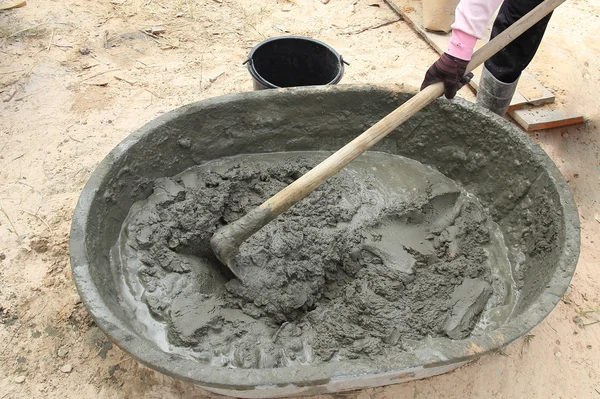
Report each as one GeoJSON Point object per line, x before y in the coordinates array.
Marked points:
{"type": "Point", "coordinates": [494, 94]}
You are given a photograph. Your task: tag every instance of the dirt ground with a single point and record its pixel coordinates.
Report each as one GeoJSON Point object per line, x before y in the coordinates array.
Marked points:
{"type": "Point", "coordinates": [78, 76]}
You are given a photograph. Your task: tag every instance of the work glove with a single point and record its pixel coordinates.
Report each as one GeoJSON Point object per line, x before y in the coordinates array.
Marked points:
{"type": "Point", "coordinates": [449, 70]}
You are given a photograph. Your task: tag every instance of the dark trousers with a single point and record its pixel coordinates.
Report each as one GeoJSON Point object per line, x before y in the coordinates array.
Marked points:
{"type": "Point", "coordinates": [509, 62]}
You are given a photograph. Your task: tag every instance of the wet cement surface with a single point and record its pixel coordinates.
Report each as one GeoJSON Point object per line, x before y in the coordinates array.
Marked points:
{"type": "Point", "coordinates": [387, 252]}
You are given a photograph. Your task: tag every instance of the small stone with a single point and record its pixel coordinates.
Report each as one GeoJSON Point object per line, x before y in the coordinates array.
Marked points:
{"type": "Point", "coordinates": [20, 379]}
{"type": "Point", "coordinates": [2, 256]}
{"type": "Point", "coordinates": [84, 50]}
{"type": "Point", "coordinates": [156, 30]}
{"type": "Point", "coordinates": [557, 354]}
{"type": "Point", "coordinates": [586, 76]}
{"type": "Point", "coordinates": [62, 351]}
{"type": "Point", "coordinates": [76, 299]}
{"type": "Point", "coordinates": [67, 368]}
{"type": "Point", "coordinates": [184, 142]}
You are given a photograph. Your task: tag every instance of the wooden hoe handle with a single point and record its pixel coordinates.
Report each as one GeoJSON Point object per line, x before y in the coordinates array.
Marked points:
{"type": "Point", "coordinates": [238, 231]}
{"type": "Point", "coordinates": [303, 186]}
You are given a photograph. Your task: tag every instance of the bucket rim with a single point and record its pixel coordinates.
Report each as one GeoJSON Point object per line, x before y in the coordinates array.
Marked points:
{"type": "Point", "coordinates": [256, 76]}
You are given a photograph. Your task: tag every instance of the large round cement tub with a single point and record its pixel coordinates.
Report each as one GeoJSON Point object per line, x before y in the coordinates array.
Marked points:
{"type": "Point", "coordinates": [518, 183]}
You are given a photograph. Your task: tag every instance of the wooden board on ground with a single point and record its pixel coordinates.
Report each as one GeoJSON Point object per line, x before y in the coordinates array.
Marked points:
{"type": "Point", "coordinates": [539, 118]}
{"type": "Point", "coordinates": [529, 90]}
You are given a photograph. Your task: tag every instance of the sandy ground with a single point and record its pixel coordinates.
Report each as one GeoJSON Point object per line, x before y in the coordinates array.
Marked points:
{"type": "Point", "coordinates": [78, 76]}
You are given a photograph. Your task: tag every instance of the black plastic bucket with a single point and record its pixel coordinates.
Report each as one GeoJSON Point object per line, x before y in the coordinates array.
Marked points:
{"type": "Point", "coordinates": [291, 61]}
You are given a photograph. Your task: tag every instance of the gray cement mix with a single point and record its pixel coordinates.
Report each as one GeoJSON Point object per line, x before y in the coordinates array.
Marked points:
{"type": "Point", "coordinates": [386, 252]}
{"type": "Point", "coordinates": [516, 182]}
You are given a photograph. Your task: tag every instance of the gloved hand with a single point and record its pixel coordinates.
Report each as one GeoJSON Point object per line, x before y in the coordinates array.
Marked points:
{"type": "Point", "coordinates": [449, 70]}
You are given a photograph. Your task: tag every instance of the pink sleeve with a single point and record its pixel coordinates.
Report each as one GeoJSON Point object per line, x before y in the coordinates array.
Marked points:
{"type": "Point", "coordinates": [461, 45]}
{"type": "Point", "coordinates": [470, 23]}
{"type": "Point", "coordinates": [472, 16]}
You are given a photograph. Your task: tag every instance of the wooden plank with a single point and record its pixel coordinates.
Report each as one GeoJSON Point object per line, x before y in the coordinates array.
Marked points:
{"type": "Point", "coordinates": [529, 90]}
{"type": "Point", "coordinates": [539, 118]}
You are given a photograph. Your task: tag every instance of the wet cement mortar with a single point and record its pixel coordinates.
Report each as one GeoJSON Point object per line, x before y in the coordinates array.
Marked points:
{"type": "Point", "coordinates": [385, 253]}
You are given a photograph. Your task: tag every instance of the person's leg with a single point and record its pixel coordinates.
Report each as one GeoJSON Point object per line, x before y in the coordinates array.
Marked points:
{"type": "Point", "coordinates": [502, 71]}
{"type": "Point", "coordinates": [508, 63]}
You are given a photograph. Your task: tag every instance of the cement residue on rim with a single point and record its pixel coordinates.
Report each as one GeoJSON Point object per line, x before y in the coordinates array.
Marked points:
{"type": "Point", "coordinates": [514, 179]}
